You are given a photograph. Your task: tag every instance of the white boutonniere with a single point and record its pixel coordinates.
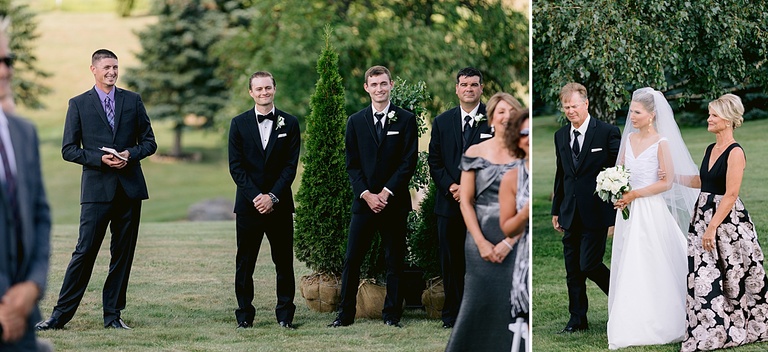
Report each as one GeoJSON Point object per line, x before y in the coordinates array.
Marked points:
{"type": "Point", "coordinates": [391, 117]}
{"type": "Point", "coordinates": [478, 118]}
{"type": "Point", "coordinates": [280, 122]}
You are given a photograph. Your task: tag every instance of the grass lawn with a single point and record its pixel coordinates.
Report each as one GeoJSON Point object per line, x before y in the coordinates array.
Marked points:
{"type": "Point", "coordinates": [550, 300]}
{"type": "Point", "coordinates": [181, 298]}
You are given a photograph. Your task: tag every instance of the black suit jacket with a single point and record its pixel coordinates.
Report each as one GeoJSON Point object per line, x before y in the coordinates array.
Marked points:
{"type": "Point", "coordinates": [34, 213]}
{"type": "Point", "coordinates": [575, 184]}
{"type": "Point", "coordinates": [86, 130]}
{"type": "Point", "coordinates": [258, 171]}
{"type": "Point", "coordinates": [445, 151]}
{"type": "Point", "coordinates": [373, 166]}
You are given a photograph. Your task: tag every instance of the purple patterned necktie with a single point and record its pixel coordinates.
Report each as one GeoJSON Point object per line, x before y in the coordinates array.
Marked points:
{"type": "Point", "coordinates": [110, 112]}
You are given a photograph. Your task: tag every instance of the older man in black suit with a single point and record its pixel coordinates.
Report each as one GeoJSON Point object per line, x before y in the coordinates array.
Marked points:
{"type": "Point", "coordinates": [381, 143]}
{"type": "Point", "coordinates": [112, 187]}
{"type": "Point", "coordinates": [264, 145]}
{"type": "Point", "coordinates": [25, 223]}
{"type": "Point", "coordinates": [583, 148]}
{"type": "Point", "coordinates": [452, 133]}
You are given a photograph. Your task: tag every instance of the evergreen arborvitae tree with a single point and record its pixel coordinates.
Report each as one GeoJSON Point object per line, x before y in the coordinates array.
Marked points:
{"type": "Point", "coordinates": [323, 212]}
{"type": "Point", "coordinates": [176, 79]}
{"type": "Point", "coordinates": [27, 90]}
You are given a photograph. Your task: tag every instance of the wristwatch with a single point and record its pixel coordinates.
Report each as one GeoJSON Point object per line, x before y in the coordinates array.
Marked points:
{"type": "Point", "coordinates": [273, 198]}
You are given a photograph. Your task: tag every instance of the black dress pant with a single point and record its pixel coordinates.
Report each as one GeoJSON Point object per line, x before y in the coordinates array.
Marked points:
{"type": "Point", "coordinates": [122, 216]}
{"type": "Point", "coordinates": [392, 226]}
{"type": "Point", "coordinates": [251, 228]}
{"type": "Point", "coordinates": [583, 250]}
{"type": "Point", "coordinates": [451, 232]}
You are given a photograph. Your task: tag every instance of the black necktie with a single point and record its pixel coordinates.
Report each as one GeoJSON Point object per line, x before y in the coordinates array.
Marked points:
{"type": "Point", "coordinates": [576, 149]}
{"type": "Point", "coordinates": [467, 134]}
{"type": "Point", "coordinates": [379, 124]}
{"type": "Point", "coordinates": [269, 116]}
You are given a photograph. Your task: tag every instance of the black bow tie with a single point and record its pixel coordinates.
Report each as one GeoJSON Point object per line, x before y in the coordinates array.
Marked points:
{"type": "Point", "coordinates": [269, 116]}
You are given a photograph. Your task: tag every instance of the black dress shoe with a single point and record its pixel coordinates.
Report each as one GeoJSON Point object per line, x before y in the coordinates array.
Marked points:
{"type": "Point", "coordinates": [117, 324]}
{"type": "Point", "coordinates": [337, 323]}
{"type": "Point", "coordinates": [571, 329]}
{"type": "Point", "coordinates": [244, 325]}
{"type": "Point", "coordinates": [447, 325]}
{"type": "Point", "coordinates": [394, 323]}
{"type": "Point", "coordinates": [50, 324]}
{"type": "Point", "coordinates": [287, 325]}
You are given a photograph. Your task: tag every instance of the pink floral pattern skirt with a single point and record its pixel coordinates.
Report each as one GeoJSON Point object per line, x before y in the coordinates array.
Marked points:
{"type": "Point", "coordinates": [727, 287]}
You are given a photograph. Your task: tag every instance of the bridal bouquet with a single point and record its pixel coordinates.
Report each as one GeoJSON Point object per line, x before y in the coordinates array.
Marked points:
{"type": "Point", "coordinates": [611, 185]}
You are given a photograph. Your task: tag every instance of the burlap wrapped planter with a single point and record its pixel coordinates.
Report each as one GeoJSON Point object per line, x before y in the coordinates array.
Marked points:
{"type": "Point", "coordinates": [433, 298]}
{"type": "Point", "coordinates": [370, 299]}
{"type": "Point", "coordinates": [322, 291]}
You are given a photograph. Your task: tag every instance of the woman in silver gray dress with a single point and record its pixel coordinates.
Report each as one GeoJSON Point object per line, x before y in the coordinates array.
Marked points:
{"type": "Point", "coordinates": [482, 324]}
{"type": "Point", "coordinates": [514, 196]}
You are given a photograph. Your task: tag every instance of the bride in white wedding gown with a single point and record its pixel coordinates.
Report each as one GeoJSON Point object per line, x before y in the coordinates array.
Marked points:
{"type": "Point", "coordinates": [646, 301]}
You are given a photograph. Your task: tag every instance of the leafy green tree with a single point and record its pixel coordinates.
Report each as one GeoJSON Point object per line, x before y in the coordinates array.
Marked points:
{"type": "Point", "coordinates": [176, 78]}
{"type": "Point", "coordinates": [27, 89]}
{"type": "Point", "coordinates": [423, 241]}
{"type": "Point", "coordinates": [323, 212]}
{"type": "Point", "coordinates": [691, 50]}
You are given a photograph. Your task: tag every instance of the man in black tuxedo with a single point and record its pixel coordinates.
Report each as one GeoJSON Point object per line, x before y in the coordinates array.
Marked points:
{"type": "Point", "coordinates": [452, 133]}
{"type": "Point", "coordinates": [583, 148]}
{"type": "Point", "coordinates": [25, 222]}
{"type": "Point", "coordinates": [112, 187]}
{"type": "Point", "coordinates": [382, 145]}
{"type": "Point", "coordinates": [264, 147]}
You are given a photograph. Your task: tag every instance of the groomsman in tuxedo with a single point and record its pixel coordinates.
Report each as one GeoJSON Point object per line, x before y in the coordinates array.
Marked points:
{"type": "Point", "coordinates": [583, 148]}
{"type": "Point", "coordinates": [452, 133]}
{"type": "Point", "coordinates": [112, 187]}
{"type": "Point", "coordinates": [25, 222]}
{"type": "Point", "coordinates": [264, 147]}
{"type": "Point", "coordinates": [381, 145]}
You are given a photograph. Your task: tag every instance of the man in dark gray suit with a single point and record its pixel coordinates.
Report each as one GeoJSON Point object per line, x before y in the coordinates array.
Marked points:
{"type": "Point", "coordinates": [112, 187]}
{"type": "Point", "coordinates": [25, 223]}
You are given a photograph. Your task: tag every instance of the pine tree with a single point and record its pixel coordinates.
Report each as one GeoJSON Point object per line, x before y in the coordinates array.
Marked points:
{"type": "Point", "coordinates": [27, 90]}
{"type": "Point", "coordinates": [177, 79]}
{"type": "Point", "coordinates": [323, 213]}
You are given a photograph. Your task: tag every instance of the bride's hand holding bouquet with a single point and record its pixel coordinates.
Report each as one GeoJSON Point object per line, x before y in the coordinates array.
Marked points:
{"type": "Point", "coordinates": [613, 187]}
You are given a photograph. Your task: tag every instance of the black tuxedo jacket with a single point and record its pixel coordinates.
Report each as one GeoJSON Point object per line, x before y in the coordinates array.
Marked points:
{"type": "Point", "coordinates": [86, 129]}
{"type": "Point", "coordinates": [34, 216]}
{"type": "Point", "coordinates": [445, 151]}
{"type": "Point", "coordinates": [257, 171]}
{"type": "Point", "coordinates": [575, 184]}
{"type": "Point", "coordinates": [372, 166]}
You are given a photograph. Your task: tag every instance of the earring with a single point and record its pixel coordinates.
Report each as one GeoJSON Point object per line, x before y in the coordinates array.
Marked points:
{"type": "Point", "coordinates": [493, 129]}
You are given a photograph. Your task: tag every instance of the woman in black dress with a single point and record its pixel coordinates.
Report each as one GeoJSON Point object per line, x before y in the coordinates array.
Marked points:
{"type": "Point", "coordinates": [727, 286]}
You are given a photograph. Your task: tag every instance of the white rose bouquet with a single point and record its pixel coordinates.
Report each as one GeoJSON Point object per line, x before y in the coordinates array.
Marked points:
{"type": "Point", "coordinates": [612, 183]}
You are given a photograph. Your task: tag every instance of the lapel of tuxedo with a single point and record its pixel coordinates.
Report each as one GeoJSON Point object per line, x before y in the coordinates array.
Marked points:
{"type": "Point", "coordinates": [96, 102]}
{"type": "Point", "coordinates": [119, 100]}
{"type": "Point", "coordinates": [253, 128]}
{"type": "Point", "coordinates": [21, 153]}
{"type": "Point", "coordinates": [272, 136]}
{"type": "Point", "coordinates": [368, 116]}
{"type": "Point", "coordinates": [565, 150]}
{"type": "Point", "coordinates": [474, 137]}
{"type": "Point", "coordinates": [456, 123]}
{"type": "Point", "coordinates": [588, 137]}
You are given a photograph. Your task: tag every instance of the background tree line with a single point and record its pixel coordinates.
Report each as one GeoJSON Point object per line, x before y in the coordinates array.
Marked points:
{"type": "Point", "coordinates": [693, 51]}
{"type": "Point", "coordinates": [197, 58]}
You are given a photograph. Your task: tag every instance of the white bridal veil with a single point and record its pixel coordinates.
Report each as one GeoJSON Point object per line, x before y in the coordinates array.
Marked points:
{"type": "Point", "coordinates": [680, 199]}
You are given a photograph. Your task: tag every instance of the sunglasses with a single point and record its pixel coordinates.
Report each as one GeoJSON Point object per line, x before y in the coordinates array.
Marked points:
{"type": "Point", "coordinates": [8, 60]}
{"type": "Point", "coordinates": [525, 132]}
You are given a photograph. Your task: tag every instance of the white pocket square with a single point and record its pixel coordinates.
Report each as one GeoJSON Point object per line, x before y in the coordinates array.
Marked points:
{"type": "Point", "coordinates": [485, 135]}
{"type": "Point", "coordinates": [281, 135]}
{"type": "Point", "coordinates": [596, 150]}
{"type": "Point", "coordinates": [389, 133]}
